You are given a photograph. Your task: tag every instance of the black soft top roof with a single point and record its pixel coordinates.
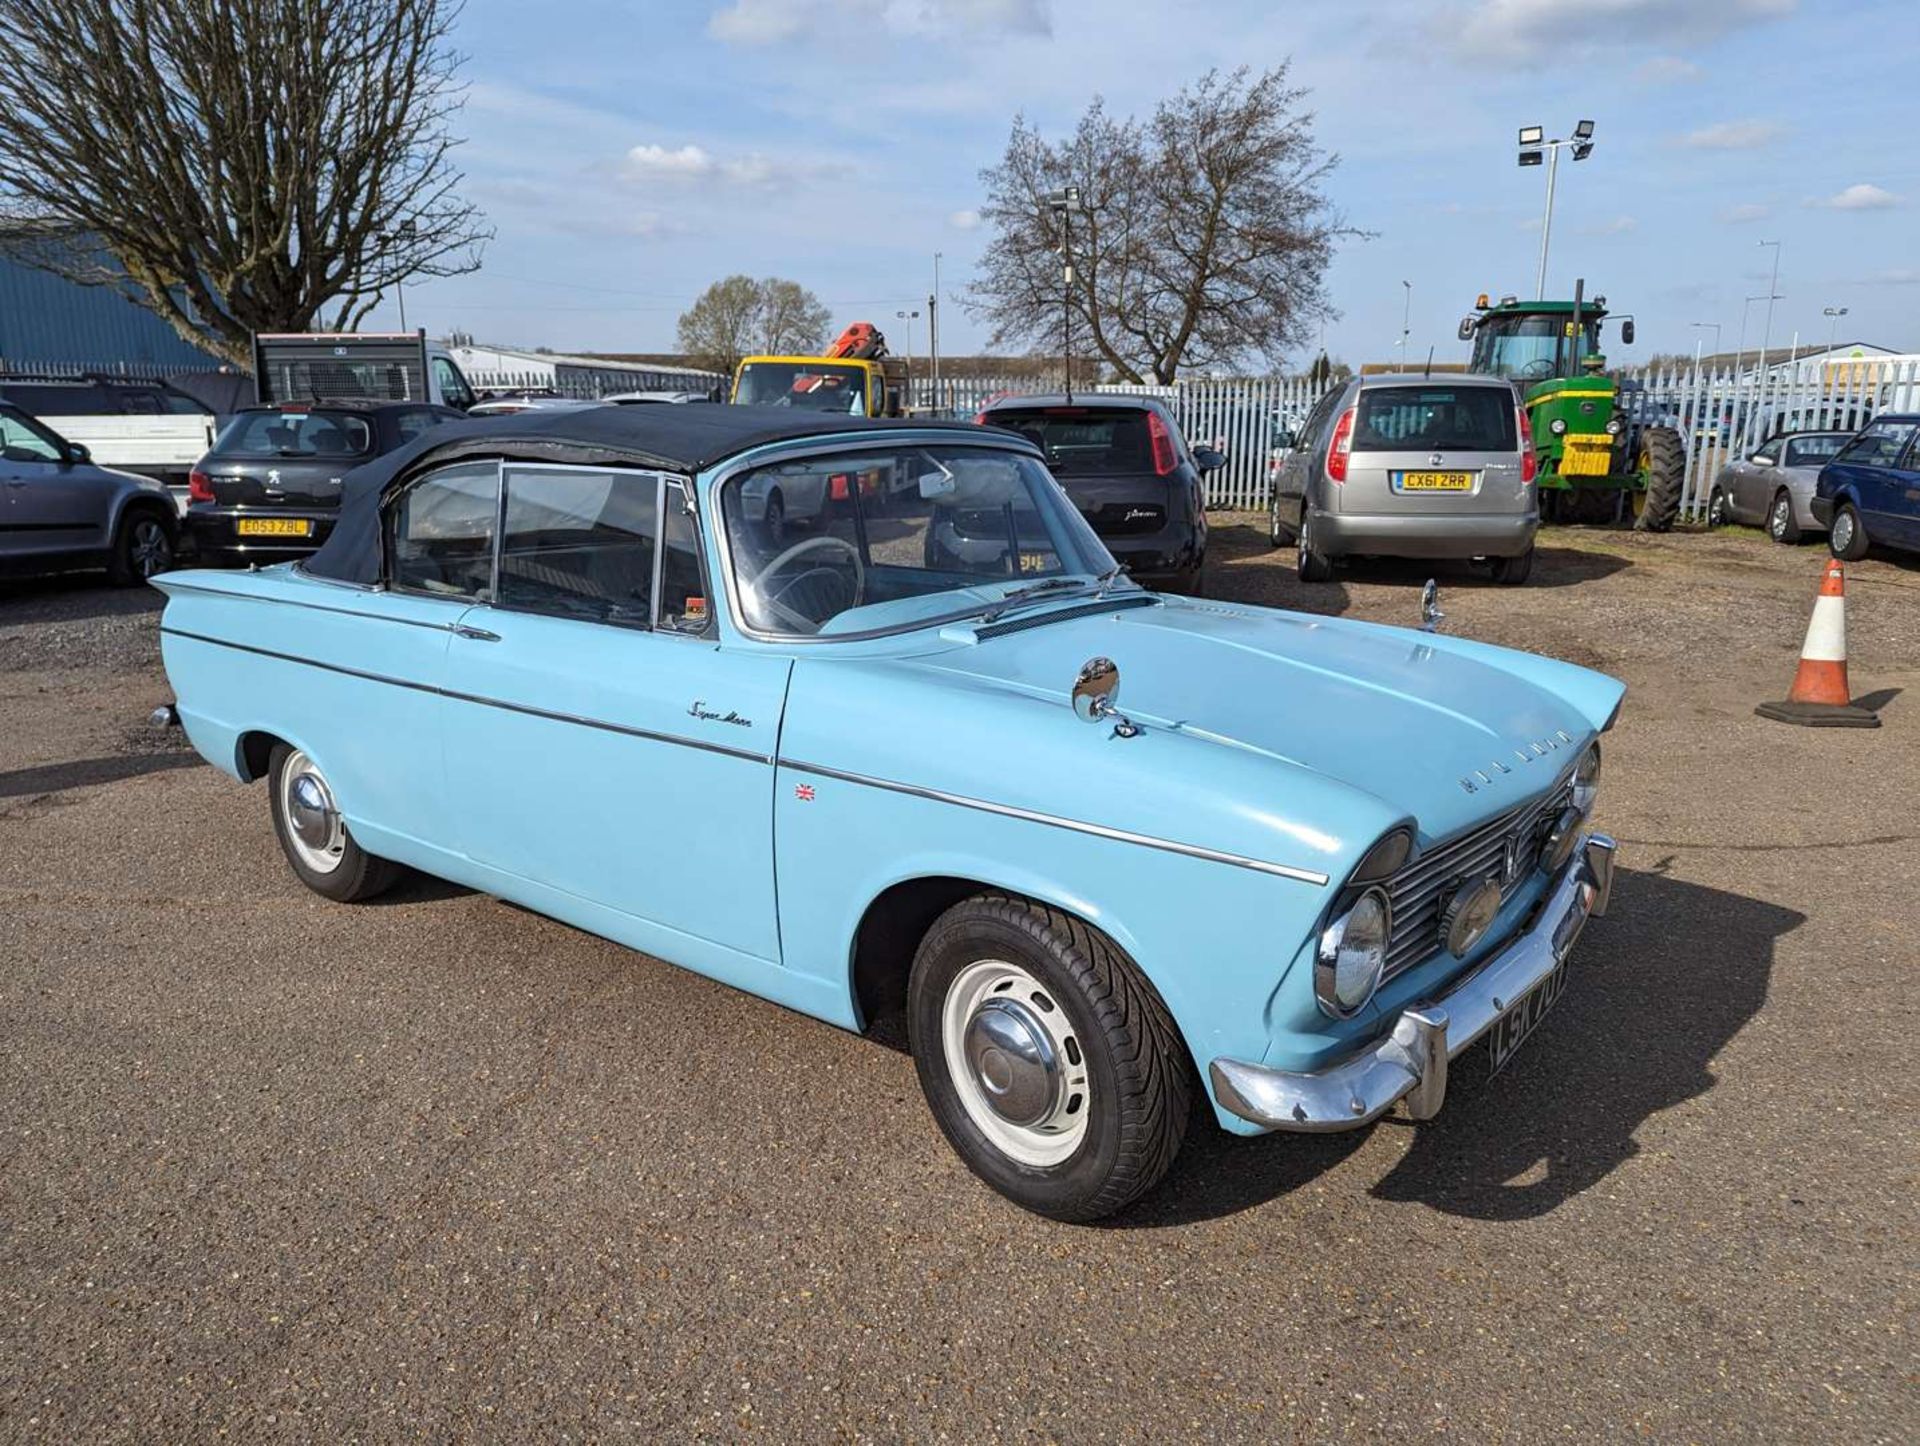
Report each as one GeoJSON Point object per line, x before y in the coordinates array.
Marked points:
{"type": "Point", "coordinates": [686, 438]}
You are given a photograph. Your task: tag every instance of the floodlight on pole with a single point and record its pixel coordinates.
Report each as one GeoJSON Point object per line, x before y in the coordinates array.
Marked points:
{"type": "Point", "coordinates": [1833, 315]}
{"type": "Point", "coordinates": [1535, 149]}
{"type": "Point", "coordinates": [1065, 203]}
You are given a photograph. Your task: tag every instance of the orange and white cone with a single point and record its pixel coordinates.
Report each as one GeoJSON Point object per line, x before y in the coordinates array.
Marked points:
{"type": "Point", "coordinates": [1820, 697]}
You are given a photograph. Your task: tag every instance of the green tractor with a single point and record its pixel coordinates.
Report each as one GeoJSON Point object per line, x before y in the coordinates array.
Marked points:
{"type": "Point", "coordinates": [1595, 462]}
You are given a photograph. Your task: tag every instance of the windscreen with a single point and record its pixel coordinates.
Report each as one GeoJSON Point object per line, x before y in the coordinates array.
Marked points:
{"type": "Point", "coordinates": [1096, 440]}
{"type": "Point", "coordinates": [811, 386]}
{"type": "Point", "coordinates": [295, 434]}
{"type": "Point", "coordinates": [1435, 418]}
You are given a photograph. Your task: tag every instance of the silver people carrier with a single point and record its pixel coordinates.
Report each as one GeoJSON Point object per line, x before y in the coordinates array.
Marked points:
{"type": "Point", "coordinates": [1410, 466]}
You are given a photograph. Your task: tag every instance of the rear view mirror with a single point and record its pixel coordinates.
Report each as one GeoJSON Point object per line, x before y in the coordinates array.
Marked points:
{"type": "Point", "coordinates": [1467, 324]}
{"type": "Point", "coordinates": [935, 485]}
{"type": "Point", "coordinates": [1626, 332]}
{"type": "Point", "coordinates": [1284, 441]}
{"type": "Point", "coordinates": [78, 455]}
{"type": "Point", "coordinates": [1209, 460]}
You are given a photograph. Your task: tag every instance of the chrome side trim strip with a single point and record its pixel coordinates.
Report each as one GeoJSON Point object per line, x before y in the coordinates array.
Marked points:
{"type": "Point", "coordinates": [746, 755]}
{"type": "Point", "coordinates": [1118, 835]}
{"type": "Point", "coordinates": [314, 607]}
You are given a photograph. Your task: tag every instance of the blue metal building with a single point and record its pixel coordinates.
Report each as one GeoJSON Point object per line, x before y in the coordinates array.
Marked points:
{"type": "Point", "coordinates": [49, 322]}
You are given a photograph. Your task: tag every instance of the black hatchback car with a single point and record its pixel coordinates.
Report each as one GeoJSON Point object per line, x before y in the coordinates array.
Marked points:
{"type": "Point", "coordinates": [1132, 475]}
{"type": "Point", "coordinates": [270, 488]}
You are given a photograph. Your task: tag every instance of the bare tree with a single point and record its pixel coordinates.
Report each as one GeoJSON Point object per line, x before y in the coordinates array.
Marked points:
{"type": "Point", "coordinates": [1203, 239]}
{"type": "Point", "coordinates": [738, 315]}
{"type": "Point", "coordinates": [792, 319]}
{"type": "Point", "coordinates": [247, 165]}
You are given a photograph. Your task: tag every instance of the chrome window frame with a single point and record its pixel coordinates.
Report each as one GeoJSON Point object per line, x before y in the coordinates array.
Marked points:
{"type": "Point", "coordinates": [775, 452]}
{"type": "Point", "coordinates": [392, 500]}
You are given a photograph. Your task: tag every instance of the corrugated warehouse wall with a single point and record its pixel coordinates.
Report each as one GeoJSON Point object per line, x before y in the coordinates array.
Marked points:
{"type": "Point", "coordinates": [47, 321]}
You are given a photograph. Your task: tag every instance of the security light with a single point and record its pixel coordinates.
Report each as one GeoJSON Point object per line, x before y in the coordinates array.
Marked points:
{"type": "Point", "coordinates": [1582, 149]}
{"type": "Point", "coordinates": [1532, 135]}
{"type": "Point", "coordinates": [1583, 131]}
{"type": "Point", "coordinates": [1532, 158]}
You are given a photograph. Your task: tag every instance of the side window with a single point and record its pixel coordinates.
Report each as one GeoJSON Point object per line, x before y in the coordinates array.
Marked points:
{"type": "Point", "coordinates": [1316, 422]}
{"type": "Point", "coordinates": [1878, 446]}
{"type": "Point", "coordinates": [440, 532]}
{"type": "Point", "coordinates": [20, 443]}
{"type": "Point", "coordinates": [579, 542]}
{"type": "Point", "coordinates": [454, 390]}
{"type": "Point", "coordinates": [409, 425]}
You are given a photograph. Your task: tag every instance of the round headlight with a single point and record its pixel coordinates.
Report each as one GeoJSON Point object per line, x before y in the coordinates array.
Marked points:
{"type": "Point", "coordinates": [1586, 779]}
{"type": "Point", "coordinates": [1558, 426]}
{"type": "Point", "coordinates": [1353, 952]}
{"type": "Point", "coordinates": [1615, 426]}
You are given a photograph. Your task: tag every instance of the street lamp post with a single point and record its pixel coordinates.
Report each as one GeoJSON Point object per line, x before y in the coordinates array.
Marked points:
{"type": "Point", "coordinates": [1535, 149]}
{"type": "Point", "coordinates": [403, 232]}
{"type": "Point", "coordinates": [1773, 295]}
{"type": "Point", "coordinates": [933, 333]}
{"type": "Point", "coordinates": [1065, 204]}
{"type": "Point", "coordinates": [908, 317]}
{"type": "Point", "coordinates": [1702, 326]}
{"type": "Point", "coordinates": [1406, 324]}
{"type": "Point", "coordinates": [1833, 315]}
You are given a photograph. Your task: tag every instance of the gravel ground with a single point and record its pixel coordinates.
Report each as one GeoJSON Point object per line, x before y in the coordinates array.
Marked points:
{"type": "Point", "coordinates": [281, 1169]}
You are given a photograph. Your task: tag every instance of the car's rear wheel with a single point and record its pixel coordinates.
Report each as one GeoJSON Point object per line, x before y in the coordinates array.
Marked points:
{"type": "Point", "coordinates": [1848, 539]}
{"type": "Point", "coordinates": [315, 838]}
{"type": "Point", "coordinates": [1782, 526]}
{"type": "Point", "coordinates": [776, 518]}
{"type": "Point", "coordinates": [1512, 571]}
{"type": "Point", "coordinates": [143, 546]}
{"type": "Point", "coordinates": [1278, 534]}
{"type": "Point", "coordinates": [1311, 565]}
{"type": "Point", "coordinates": [1717, 509]}
{"type": "Point", "coordinates": [1048, 1061]}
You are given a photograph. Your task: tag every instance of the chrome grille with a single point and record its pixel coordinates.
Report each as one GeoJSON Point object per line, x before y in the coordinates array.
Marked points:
{"type": "Point", "coordinates": [1419, 890]}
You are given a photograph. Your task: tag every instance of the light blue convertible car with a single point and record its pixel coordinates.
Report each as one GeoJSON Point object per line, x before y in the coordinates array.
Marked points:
{"type": "Point", "coordinates": [885, 761]}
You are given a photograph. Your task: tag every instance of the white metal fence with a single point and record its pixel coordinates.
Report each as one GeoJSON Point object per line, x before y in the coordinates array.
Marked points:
{"type": "Point", "coordinates": [1721, 416]}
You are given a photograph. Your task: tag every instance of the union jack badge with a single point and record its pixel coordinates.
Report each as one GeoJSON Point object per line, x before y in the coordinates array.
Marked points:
{"type": "Point", "coordinates": [803, 792]}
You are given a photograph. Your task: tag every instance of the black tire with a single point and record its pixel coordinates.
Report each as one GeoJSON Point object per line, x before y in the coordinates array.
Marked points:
{"type": "Point", "coordinates": [1782, 525]}
{"type": "Point", "coordinates": [1311, 566]}
{"type": "Point", "coordinates": [1848, 540]}
{"type": "Point", "coordinates": [1666, 458]}
{"type": "Point", "coordinates": [1716, 509]}
{"type": "Point", "coordinates": [775, 520]}
{"type": "Point", "coordinates": [357, 875]}
{"type": "Point", "coordinates": [1278, 533]}
{"type": "Point", "coordinates": [1512, 571]}
{"type": "Point", "coordinates": [1131, 1062]}
{"type": "Point", "coordinates": [145, 544]}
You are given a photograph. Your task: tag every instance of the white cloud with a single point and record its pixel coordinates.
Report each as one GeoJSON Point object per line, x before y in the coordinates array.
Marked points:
{"type": "Point", "coordinates": [1742, 135]}
{"type": "Point", "coordinates": [1618, 226]}
{"type": "Point", "coordinates": [1664, 70]}
{"type": "Point", "coordinates": [964, 220]}
{"type": "Point", "coordinates": [1554, 30]}
{"type": "Point", "coordinates": [659, 163]}
{"type": "Point", "coordinates": [1897, 276]}
{"type": "Point", "coordinates": [1863, 197]}
{"type": "Point", "coordinates": [770, 22]}
{"type": "Point", "coordinates": [1746, 211]}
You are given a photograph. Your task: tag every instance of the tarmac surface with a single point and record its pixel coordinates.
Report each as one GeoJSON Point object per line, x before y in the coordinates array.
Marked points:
{"type": "Point", "coordinates": [437, 1167]}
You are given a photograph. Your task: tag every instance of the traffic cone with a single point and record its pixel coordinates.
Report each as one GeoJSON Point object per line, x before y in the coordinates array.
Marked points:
{"type": "Point", "coordinates": [1819, 697]}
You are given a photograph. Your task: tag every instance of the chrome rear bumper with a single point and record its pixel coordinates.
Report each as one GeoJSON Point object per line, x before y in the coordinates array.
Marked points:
{"type": "Point", "coordinates": [1411, 1061]}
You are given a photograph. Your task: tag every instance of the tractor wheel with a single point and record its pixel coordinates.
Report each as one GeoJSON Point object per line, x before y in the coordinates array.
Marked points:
{"type": "Point", "coordinates": [1664, 458]}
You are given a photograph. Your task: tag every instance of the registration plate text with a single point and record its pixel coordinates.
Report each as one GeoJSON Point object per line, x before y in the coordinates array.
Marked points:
{"type": "Point", "coordinates": [273, 527]}
{"type": "Point", "coordinates": [1436, 481]}
{"type": "Point", "coordinates": [1523, 1016]}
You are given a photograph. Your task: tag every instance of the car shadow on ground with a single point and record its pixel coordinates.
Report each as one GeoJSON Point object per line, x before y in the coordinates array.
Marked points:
{"type": "Point", "coordinates": [73, 596]}
{"type": "Point", "coordinates": [87, 772]}
{"type": "Point", "coordinates": [1660, 986]}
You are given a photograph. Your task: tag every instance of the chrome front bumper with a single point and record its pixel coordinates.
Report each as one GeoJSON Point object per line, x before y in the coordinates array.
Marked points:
{"type": "Point", "coordinates": [1411, 1061]}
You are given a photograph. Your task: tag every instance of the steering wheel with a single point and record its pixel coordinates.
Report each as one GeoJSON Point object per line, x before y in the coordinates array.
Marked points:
{"type": "Point", "coordinates": [771, 598]}
{"type": "Point", "coordinates": [1539, 367]}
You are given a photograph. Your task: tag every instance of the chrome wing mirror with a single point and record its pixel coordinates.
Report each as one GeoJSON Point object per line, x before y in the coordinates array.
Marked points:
{"type": "Point", "coordinates": [1094, 692]}
{"type": "Point", "coordinates": [1430, 614]}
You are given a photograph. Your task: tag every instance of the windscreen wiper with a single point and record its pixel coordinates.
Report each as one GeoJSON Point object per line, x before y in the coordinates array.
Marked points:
{"type": "Point", "coordinates": [1031, 590]}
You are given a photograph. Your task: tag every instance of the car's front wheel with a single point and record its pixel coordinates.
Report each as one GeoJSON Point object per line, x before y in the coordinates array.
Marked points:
{"type": "Point", "coordinates": [1308, 563]}
{"type": "Point", "coordinates": [1782, 526]}
{"type": "Point", "coordinates": [1848, 538]}
{"type": "Point", "coordinates": [1048, 1060]}
{"type": "Point", "coordinates": [314, 837]}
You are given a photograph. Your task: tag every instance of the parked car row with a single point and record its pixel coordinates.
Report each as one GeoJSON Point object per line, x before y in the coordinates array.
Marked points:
{"type": "Point", "coordinates": [1860, 488]}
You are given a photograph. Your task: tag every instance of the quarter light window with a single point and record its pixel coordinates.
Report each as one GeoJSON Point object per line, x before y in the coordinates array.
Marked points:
{"type": "Point", "coordinates": [440, 532]}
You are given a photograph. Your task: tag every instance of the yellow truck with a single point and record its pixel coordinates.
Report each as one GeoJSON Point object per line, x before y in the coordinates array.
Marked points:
{"type": "Point", "coordinates": [856, 377]}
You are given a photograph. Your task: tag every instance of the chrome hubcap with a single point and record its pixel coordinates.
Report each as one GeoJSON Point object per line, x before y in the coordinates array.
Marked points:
{"type": "Point", "coordinates": [1842, 531]}
{"type": "Point", "coordinates": [1780, 516]}
{"type": "Point", "coordinates": [1015, 1062]}
{"type": "Point", "coordinates": [313, 823]}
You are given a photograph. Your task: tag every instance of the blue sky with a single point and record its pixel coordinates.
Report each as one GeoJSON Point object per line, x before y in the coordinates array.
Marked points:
{"type": "Point", "coordinates": [630, 151]}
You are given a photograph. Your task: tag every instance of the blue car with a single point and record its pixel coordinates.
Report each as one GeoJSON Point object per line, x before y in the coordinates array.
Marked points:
{"type": "Point", "coordinates": [1870, 491]}
{"type": "Point", "coordinates": [884, 761]}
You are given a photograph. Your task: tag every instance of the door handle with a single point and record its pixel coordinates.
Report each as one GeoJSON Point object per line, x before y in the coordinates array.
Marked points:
{"type": "Point", "coordinates": [478, 635]}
